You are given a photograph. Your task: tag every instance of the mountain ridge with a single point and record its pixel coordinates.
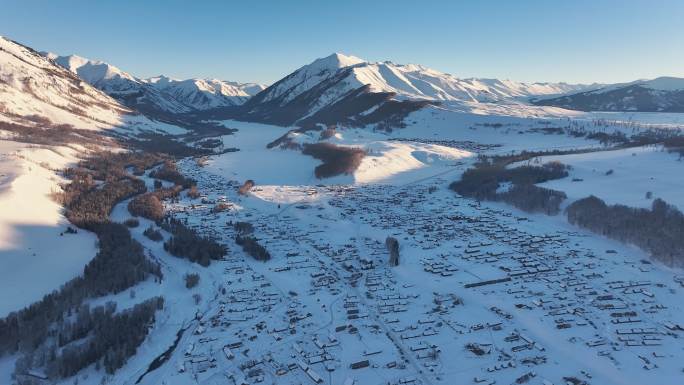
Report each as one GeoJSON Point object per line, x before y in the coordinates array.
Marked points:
{"type": "Point", "coordinates": [661, 94]}
{"type": "Point", "coordinates": [159, 96]}
{"type": "Point", "coordinates": [346, 89]}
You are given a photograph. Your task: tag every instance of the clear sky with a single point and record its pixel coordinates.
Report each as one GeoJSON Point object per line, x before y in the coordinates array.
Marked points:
{"type": "Point", "coordinates": [261, 41]}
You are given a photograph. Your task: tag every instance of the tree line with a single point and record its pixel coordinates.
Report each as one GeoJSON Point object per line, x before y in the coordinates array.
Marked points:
{"type": "Point", "coordinates": [100, 336]}
{"type": "Point", "coordinates": [483, 182]}
{"type": "Point", "coordinates": [169, 172]}
{"type": "Point", "coordinates": [336, 159]}
{"type": "Point", "coordinates": [187, 243]}
{"type": "Point", "coordinates": [658, 230]}
{"type": "Point", "coordinates": [149, 205]}
{"type": "Point", "coordinates": [251, 246]}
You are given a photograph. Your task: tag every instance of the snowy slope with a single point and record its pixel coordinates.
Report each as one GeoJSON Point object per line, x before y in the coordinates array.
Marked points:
{"type": "Point", "coordinates": [633, 173]}
{"type": "Point", "coordinates": [34, 258]}
{"type": "Point", "coordinates": [157, 96]}
{"type": "Point", "coordinates": [408, 81]}
{"type": "Point", "coordinates": [340, 87]}
{"type": "Point", "coordinates": [416, 81]}
{"type": "Point", "coordinates": [49, 119]}
{"type": "Point", "coordinates": [34, 91]}
{"type": "Point", "coordinates": [663, 94]}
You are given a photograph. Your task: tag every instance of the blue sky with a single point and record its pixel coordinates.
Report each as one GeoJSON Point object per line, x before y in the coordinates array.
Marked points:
{"type": "Point", "coordinates": [573, 41]}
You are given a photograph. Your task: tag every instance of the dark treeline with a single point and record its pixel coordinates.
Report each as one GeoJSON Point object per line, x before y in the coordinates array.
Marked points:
{"type": "Point", "coordinates": [658, 230]}
{"type": "Point", "coordinates": [186, 243]}
{"type": "Point", "coordinates": [336, 159]}
{"type": "Point", "coordinates": [675, 144]}
{"type": "Point", "coordinates": [113, 166]}
{"type": "Point", "coordinates": [158, 143]}
{"type": "Point", "coordinates": [191, 280]}
{"type": "Point", "coordinates": [533, 199]}
{"type": "Point", "coordinates": [483, 183]}
{"type": "Point", "coordinates": [169, 172]}
{"type": "Point", "coordinates": [101, 182]}
{"type": "Point", "coordinates": [99, 336]}
{"type": "Point", "coordinates": [93, 206]}
{"type": "Point", "coordinates": [252, 247]}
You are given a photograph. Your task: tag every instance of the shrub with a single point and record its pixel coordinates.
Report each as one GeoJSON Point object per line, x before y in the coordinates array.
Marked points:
{"type": "Point", "coordinates": [193, 193]}
{"type": "Point", "coordinates": [153, 234]}
{"type": "Point", "coordinates": [244, 189]}
{"type": "Point", "coordinates": [220, 207]}
{"type": "Point", "coordinates": [328, 133]}
{"type": "Point", "coordinates": [132, 222]}
{"type": "Point", "coordinates": [243, 227]}
{"type": "Point", "coordinates": [191, 280]}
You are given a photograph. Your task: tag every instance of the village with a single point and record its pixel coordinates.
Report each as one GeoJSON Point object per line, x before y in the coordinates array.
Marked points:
{"type": "Point", "coordinates": [478, 295]}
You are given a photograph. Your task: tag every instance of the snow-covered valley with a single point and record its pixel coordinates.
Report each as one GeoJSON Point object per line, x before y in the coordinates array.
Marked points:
{"type": "Point", "coordinates": [555, 303]}
{"type": "Point", "coordinates": [310, 232]}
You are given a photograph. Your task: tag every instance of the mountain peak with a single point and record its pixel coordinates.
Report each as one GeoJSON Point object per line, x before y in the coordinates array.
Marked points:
{"type": "Point", "coordinates": [336, 61]}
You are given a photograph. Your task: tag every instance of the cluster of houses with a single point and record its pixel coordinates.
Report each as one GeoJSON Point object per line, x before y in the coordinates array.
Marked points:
{"type": "Point", "coordinates": [329, 308]}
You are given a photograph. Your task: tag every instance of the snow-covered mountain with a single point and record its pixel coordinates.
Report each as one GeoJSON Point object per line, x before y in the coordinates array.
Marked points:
{"type": "Point", "coordinates": [121, 85]}
{"type": "Point", "coordinates": [347, 88]}
{"type": "Point", "coordinates": [158, 96]}
{"type": "Point", "coordinates": [203, 94]}
{"type": "Point", "coordinates": [34, 92]}
{"type": "Point", "coordinates": [42, 102]}
{"type": "Point", "coordinates": [663, 94]}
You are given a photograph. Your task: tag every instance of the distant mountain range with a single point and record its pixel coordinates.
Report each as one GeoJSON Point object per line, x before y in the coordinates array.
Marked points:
{"type": "Point", "coordinates": [337, 89]}
{"type": "Point", "coordinates": [347, 89]}
{"type": "Point", "coordinates": [663, 94]}
{"type": "Point", "coordinates": [159, 96]}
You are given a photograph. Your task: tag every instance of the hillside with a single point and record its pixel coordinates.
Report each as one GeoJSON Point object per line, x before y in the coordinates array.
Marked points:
{"type": "Point", "coordinates": [35, 92]}
{"type": "Point", "coordinates": [50, 119]}
{"type": "Point", "coordinates": [663, 94]}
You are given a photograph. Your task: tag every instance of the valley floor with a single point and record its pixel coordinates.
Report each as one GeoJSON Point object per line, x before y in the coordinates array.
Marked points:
{"type": "Point", "coordinates": [483, 293]}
